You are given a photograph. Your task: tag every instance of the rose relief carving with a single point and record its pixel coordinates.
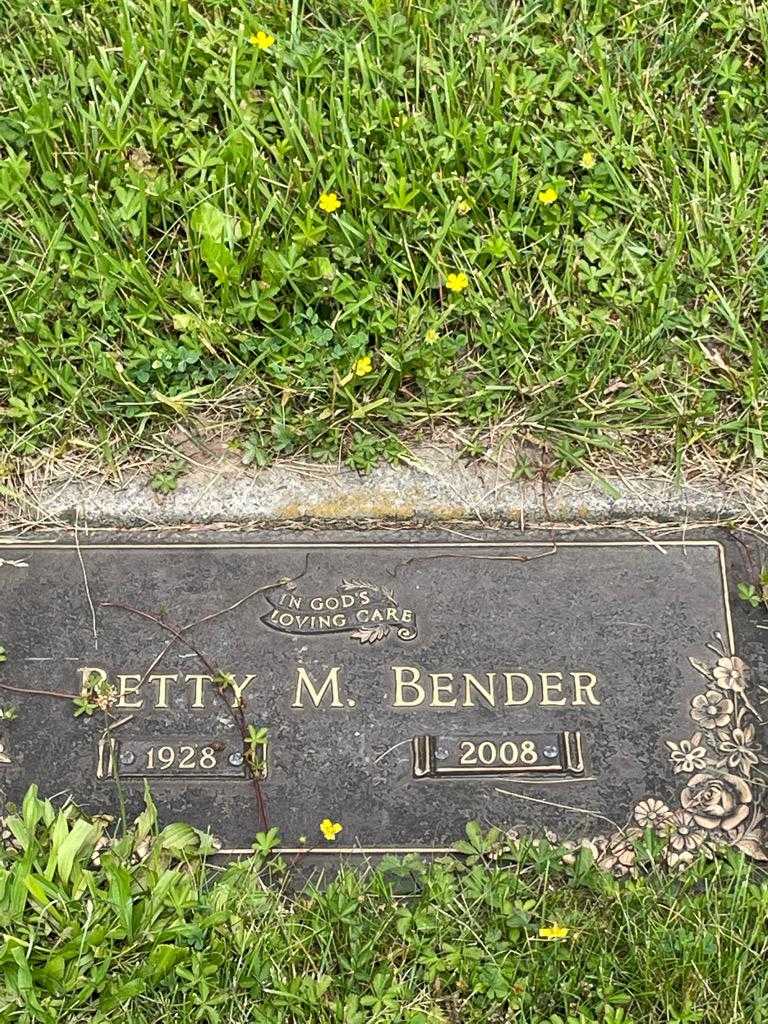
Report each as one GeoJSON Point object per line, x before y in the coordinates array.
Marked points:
{"type": "Point", "coordinates": [717, 805]}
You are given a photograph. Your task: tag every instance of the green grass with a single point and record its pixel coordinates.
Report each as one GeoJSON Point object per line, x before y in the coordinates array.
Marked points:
{"type": "Point", "coordinates": [165, 258]}
{"type": "Point", "coordinates": [149, 935]}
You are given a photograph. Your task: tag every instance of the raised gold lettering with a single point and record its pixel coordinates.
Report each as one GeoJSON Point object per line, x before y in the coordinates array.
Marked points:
{"type": "Point", "coordinates": [509, 678]}
{"type": "Point", "coordinates": [304, 682]}
{"type": "Point", "coordinates": [439, 688]}
{"type": "Point", "coordinates": [401, 682]}
{"type": "Point", "coordinates": [486, 692]}
{"type": "Point", "coordinates": [579, 689]}
{"type": "Point", "coordinates": [199, 682]}
{"type": "Point", "coordinates": [90, 676]}
{"type": "Point", "coordinates": [123, 690]}
{"type": "Point", "coordinates": [547, 688]}
{"type": "Point", "coordinates": [238, 688]}
{"type": "Point", "coordinates": [162, 688]}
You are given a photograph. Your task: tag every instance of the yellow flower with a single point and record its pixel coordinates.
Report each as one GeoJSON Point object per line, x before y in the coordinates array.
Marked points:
{"type": "Point", "coordinates": [262, 39]}
{"type": "Point", "coordinates": [363, 365]}
{"type": "Point", "coordinates": [548, 196]}
{"type": "Point", "coordinates": [329, 202]}
{"type": "Point", "coordinates": [330, 829]}
{"type": "Point", "coordinates": [556, 931]}
{"type": "Point", "coordinates": [464, 207]}
{"type": "Point", "coordinates": [456, 282]}
{"type": "Point", "coordinates": [431, 336]}
{"type": "Point", "coordinates": [588, 161]}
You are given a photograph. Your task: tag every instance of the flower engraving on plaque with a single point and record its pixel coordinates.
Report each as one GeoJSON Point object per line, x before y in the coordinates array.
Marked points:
{"type": "Point", "coordinates": [717, 806]}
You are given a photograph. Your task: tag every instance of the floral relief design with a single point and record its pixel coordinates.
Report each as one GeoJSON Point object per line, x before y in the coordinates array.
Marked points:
{"type": "Point", "coordinates": [711, 709]}
{"type": "Point", "coordinates": [717, 802]}
{"type": "Point", "coordinates": [688, 755]}
{"type": "Point", "coordinates": [739, 749]}
{"type": "Point", "coordinates": [718, 807]}
{"type": "Point", "coordinates": [731, 674]}
{"type": "Point", "coordinates": [651, 813]}
{"type": "Point", "coordinates": [683, 835]}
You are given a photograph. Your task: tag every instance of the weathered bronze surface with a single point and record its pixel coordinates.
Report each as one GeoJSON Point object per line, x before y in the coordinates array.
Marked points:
{"type": "Point", "coordinates": [396, 685]}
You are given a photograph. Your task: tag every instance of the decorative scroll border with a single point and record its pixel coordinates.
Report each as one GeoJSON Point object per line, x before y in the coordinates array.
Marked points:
{"type": "Point", "coordinates": [717, 808]}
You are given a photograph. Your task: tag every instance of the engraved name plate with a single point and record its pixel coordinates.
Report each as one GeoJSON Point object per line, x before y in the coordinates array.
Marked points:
{"type": "Point", "coordinates": [400, 685]}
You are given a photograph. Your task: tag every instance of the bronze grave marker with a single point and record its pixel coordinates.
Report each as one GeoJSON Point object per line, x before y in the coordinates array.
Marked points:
{"type": "Point", "coordinates": [397, 686]}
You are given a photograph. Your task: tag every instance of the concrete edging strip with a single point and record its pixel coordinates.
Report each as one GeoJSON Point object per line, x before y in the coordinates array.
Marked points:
{"type": "Point", "coordinates": [436, 488]}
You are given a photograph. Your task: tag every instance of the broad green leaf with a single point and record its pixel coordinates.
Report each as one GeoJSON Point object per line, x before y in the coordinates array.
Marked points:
{"type": "Point", "coordinates": [147, 820]}
{"type": "Point", "coordinates": [163, 959]}
{"type": "Point", "coordinates": [83, 833]}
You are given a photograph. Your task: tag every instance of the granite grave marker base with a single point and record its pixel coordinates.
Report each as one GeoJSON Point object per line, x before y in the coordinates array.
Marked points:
{"type": "Point", "coordinates": [373, 693]}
